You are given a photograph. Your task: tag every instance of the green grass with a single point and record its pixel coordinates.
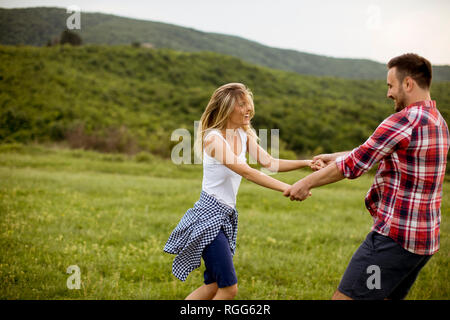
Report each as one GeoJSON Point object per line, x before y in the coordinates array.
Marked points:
{"type": "Point", "coordinates": [111, 215]}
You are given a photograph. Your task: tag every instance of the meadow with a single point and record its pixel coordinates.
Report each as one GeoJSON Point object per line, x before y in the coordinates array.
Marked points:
{"type": "Point", "coordinates": [110, 214]}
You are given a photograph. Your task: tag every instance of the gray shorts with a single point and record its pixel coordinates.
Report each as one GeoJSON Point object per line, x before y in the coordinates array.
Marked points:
{"type": "Point", "coordinates": [380, 269]}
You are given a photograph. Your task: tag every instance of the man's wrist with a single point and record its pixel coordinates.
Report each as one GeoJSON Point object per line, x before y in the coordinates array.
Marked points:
{"type": "Point", "coordinates": [341, 154]}
{"type": "Point", "coordinates": [329, 174]}
{"type": "Point", "coordinates": [309, 181]}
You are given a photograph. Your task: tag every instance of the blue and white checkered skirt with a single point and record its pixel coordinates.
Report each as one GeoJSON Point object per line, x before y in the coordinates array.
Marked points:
{"type": "Point", "coordinates": [199, 227]}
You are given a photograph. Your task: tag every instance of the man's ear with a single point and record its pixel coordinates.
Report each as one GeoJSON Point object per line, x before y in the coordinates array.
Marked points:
{"type": "Point", "coordinates": [408, 84]}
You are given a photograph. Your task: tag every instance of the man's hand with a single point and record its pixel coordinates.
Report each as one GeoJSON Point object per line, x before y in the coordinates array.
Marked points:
{"type": "Point", "coordinates": [302, 188]}
{"type": "Point", "coordinates": [317, 165]}
{"type": "Point", "coordinates": [323, 160]}
{"type": "Point", "coordinates": [298, 191]}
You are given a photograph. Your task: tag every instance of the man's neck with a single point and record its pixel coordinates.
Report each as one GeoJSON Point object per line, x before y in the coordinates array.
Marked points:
{"type": "Point", "coordinates": [420, 96]}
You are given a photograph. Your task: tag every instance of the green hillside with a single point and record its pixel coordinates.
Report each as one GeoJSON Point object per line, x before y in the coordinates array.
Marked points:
{"type": "Point", "coordinates": [35, 26]}
{"type": "Point", "coordinates": [125, 99]}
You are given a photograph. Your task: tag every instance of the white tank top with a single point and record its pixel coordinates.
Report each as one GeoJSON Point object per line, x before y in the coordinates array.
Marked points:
{"type": "Point", "coordinates": [219, 181]}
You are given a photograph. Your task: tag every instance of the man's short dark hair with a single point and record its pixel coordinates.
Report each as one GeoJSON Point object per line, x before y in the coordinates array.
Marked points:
{"type": "Point", "coordinates": [414, 66]}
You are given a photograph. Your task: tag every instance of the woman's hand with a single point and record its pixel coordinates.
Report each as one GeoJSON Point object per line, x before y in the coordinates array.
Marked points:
{"type": "Point", "coordinates": [308, 163]}
{"type": "Point", "coordinates": [286, 189]}
{"type": "Point", "coordinates": [298, 191]}
{"type": "Point", "coordinates": [317, 165]}
{"type": "Point", "coordinates": [322, 160]}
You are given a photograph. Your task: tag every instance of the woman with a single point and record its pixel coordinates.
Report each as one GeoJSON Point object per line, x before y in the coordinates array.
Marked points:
{"type": "Point", "coordinates": [209, 229]}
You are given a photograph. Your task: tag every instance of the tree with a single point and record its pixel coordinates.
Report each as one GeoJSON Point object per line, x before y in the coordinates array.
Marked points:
{"type": "Point", "coordinates": [70, 38]}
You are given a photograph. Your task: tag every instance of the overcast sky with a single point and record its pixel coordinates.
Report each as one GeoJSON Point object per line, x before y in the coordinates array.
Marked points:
{"type": "Point", "coordinates": [372, 29]}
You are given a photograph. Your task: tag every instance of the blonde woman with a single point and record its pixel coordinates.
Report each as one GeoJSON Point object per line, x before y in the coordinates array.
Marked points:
{"type": "Point", "coordinates": [209, 229]}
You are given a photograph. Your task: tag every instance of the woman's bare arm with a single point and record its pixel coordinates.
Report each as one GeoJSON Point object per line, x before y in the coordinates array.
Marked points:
{"type": "Point", "coordinates": [217, 148]}
{"type": "Point", "coordinates": [273, 164]}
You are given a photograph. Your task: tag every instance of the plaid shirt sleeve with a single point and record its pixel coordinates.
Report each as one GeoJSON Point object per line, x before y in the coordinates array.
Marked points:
{"type": "Point", "coordinates": [392, 134]}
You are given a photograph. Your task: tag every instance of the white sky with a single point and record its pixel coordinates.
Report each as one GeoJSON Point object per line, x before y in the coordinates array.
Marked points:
{"type": "Point", "coordinates": [372, 29]}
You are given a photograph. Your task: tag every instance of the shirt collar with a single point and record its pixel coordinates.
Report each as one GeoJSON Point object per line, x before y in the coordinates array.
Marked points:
{"type": "Point", "coordinates": [424, 103]}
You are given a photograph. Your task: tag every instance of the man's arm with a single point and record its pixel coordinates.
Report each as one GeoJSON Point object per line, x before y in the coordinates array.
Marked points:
{"type": "Point", "coordinates": [323, 160]}
{"type": "Point", "coordinates": [392, 134]}
{"type": "Point", "coordinates": [302, 188]}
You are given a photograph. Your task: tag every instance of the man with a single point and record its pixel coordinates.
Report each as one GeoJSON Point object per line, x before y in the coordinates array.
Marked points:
{"type": "Point", "coordinates": [405, 198]}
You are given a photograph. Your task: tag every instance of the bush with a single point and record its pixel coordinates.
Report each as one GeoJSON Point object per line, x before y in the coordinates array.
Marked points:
{"type": "Point", "coordinates": [113, 140]}
{"type": "Point", "coordinates": [71, 38]}
{"type": "Point", "coordinates": [13, 121]}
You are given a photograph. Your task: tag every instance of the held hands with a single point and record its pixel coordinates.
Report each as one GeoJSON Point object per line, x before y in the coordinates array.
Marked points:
{"type": "Point", "coordinates": [298, 191]}
{"type": "Point", "coordinates": [317, 165]}
{"type": "Point", "coordinates": [301, 190]}
{"type": "Point", "coordinates": [321, 161]}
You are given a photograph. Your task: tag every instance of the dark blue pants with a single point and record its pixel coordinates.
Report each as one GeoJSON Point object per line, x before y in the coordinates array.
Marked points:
{"type": "Point", "coordinates": [219, 262]}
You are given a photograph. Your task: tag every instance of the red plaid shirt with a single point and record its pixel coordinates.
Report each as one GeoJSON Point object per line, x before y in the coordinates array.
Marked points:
{"type": "Point", "coordinates": [405, 198]}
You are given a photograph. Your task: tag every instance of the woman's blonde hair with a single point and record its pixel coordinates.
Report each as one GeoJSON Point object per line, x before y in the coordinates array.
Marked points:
{"type": "Point", "coordinates": [219, 108]}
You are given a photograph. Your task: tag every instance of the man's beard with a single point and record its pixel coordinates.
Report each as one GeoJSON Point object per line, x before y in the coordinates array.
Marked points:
{"type": "Point", "coordinates": [399, 102]}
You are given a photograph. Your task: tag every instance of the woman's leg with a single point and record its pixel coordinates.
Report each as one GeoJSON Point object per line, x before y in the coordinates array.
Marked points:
{"type": "Point", "coordinates": [226, 293]}
{"type": "Point", "coordinates": [205, 292]}
{"type": "Point", "coordinates": [219, 268]}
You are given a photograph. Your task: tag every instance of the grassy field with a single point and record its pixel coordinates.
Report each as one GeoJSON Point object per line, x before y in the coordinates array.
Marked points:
{"type": "Point", "coordinates": [111, 215]}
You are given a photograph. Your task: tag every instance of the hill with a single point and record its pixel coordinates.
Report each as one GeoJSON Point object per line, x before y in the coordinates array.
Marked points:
{"type": "Point", "coordinates": [126, 99]}
{"type": "Point", "coordinates": [35, 26]}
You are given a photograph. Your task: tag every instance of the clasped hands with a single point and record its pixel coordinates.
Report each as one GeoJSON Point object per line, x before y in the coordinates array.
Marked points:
{"type": "Point", "coordinates": [300, 190]}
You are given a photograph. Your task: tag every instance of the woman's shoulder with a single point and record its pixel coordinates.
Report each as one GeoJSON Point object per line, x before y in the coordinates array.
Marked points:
{"type": "Point", "coordinates": [211, 132]}
{"type": "Point", "coordinates": [213, 140]}
{"type": "Point", "coordinates": [243, 132]}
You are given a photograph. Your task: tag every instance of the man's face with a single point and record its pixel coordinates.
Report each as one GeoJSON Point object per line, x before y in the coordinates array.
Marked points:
{"type": "Point", "coordinates": [395, 90]}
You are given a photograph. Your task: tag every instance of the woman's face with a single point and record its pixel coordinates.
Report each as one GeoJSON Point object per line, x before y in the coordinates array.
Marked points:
{"type": "Point", "coordinates": [241, 113]}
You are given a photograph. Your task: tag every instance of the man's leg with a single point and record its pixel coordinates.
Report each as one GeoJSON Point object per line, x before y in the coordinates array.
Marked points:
{"type": "Point", "coordinates": [380, 269]}
{"type": "Point", "coordinates": [340, 296]}
{"type": "Point", "coordinates": [401, 291]}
